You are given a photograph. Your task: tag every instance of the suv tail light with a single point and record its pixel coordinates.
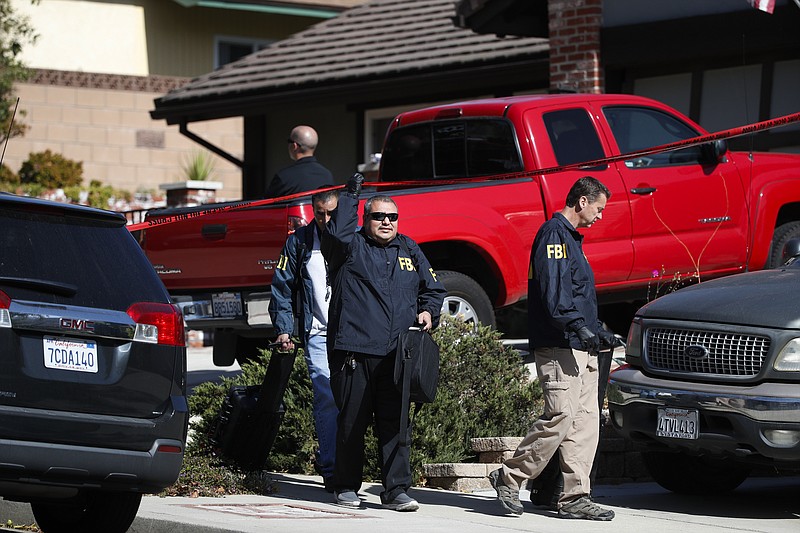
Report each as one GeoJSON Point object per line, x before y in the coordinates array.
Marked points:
{"type": "Point", "coordinates": [5, 317]}
{"type": "Point", "coordinates": [158, 323]}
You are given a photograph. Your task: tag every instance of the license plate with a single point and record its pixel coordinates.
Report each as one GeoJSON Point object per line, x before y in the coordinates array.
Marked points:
{"type": "Point", "coordinates": [70, 354]}
{"type": "Point", "coordinates": [677, 423]}
{"type": "Point", "coordinates": [227, 304]}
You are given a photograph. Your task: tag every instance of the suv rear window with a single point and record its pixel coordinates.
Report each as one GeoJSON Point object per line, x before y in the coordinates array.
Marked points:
{"type": "Point", "coordinates": [450, 149]}
{"type": "Point", "coordinates": [72, 260]}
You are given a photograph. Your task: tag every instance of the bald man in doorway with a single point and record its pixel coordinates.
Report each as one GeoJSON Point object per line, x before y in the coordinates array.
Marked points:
{"type": "Point", "coordinates": [305, 173]}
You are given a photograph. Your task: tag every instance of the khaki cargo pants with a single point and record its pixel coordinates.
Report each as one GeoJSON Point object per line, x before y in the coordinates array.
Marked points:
{"type": "Point", "coordinates": [570, 422]}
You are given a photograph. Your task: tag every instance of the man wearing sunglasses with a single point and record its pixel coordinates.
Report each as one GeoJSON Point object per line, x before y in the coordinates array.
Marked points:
{"type": "Point", "coordinates": [382, 284]}
{"type": "Point", "coordinates": [306, 173]}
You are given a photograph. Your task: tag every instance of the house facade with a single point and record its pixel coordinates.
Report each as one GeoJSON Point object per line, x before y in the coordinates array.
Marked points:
{"type": "Point", "coordinates": [98, 65]}
{"type": "Point", "coordinates": [134, 115]}
{"type": "Point", "coordinates": [724, 63]}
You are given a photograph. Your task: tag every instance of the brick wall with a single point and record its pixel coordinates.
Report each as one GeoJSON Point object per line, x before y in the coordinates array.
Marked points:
{"type": "Point", "coordinates": [574, 27]}
{"type": "Point", "coordinates": [103, 121]}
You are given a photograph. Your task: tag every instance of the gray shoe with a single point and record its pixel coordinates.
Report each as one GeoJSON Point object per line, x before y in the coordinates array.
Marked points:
{"type": "Point", "coordinates": [402, 502]}
{"type": "Point", "coordinates": [508, 497]}
{"type": "Point", "coordinates": [584, 508]}
{"type": "Point", "coordinates": [346, 498]}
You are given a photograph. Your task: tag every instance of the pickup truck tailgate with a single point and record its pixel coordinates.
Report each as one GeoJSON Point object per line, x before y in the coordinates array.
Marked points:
{"type": "Point", "coordinates": [235, 248]}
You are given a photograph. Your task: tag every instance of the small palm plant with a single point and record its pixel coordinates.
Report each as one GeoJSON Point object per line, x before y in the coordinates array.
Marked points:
{"type": "Point", "coordinates": [199, 166]}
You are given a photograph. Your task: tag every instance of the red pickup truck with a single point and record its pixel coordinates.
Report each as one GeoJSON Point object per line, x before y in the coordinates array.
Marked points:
{"type": "Point", "coordinates": [674, 217]}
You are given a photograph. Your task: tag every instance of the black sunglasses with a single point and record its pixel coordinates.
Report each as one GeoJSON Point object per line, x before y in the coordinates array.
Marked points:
{"type": "Point", "coordinates": [379, 216]}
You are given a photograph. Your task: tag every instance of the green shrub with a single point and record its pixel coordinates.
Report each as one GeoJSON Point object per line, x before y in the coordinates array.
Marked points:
{"type": "Point", "coordinates": [294, 446]}
{"type": "Point", "coordinates": [484, 391]}
{"type": "Point", "coordinates": [51, 171]}
{"type": "Point", "coordinates": [7, 175]}
{"type": "Point", "coordinates": [205, 476]}
{"type": "Point", "coordinates": [99, 194]}
{"type": "Point", "coordinates": [29, 189]}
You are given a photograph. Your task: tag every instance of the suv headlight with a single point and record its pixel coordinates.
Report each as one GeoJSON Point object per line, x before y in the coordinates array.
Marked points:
{"type": "Point", "coordinates": [788, 359]}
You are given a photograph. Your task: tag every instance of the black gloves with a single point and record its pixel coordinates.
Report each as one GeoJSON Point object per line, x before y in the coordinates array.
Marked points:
{"type": "Point", "coordinates": [607, 339]}
{"type": "Point", "coordinates": [354, 184]}
{"type": "Point", "coordinates": [589, 341]}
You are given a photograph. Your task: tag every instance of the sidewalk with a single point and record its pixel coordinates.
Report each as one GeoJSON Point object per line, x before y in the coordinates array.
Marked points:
{"type": "Point", "coordinates": [300, 504]}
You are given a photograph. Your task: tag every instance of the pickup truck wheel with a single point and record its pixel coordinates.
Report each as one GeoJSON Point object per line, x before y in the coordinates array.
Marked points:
{"type": "Point", "coordinates": [687, 474]}
{"type": "Point", "coordinates": [783, 233]}
{"type": "Point", "coordinates": [466, 299]}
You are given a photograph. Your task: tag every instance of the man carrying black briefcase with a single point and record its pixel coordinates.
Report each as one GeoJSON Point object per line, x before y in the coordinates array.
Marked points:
{"type": "Point", "coordinates": [382, 284]}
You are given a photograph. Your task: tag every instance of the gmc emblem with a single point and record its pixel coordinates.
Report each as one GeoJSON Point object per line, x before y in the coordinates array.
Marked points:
{"type": "Point", "coordinates": [696, 351]}
{"type": "Point", "coordinates": [74, 323]}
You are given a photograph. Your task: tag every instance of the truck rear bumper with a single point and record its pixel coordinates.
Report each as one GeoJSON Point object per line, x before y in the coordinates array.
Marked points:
{"type": "Point", "coordinates": [760, 422]}
{"type": "Point", "coordinates": [238, 310]}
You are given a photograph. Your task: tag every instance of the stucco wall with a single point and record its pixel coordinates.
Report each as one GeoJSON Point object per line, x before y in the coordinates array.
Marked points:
{"type": "Point", "coordinates": [141, 37]}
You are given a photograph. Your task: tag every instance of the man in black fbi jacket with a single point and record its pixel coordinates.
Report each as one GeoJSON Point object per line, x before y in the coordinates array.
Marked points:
{"type": "Point", "coordinates": [382, 284]}
{"type": "Point", "coordinates": [565, 337]}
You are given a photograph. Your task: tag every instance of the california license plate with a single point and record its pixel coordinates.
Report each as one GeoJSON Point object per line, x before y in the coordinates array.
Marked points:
{"type": "Point", "coordinates": [677, 423]}
{"type": "Point", "coordinates": [70, 354]}
{"type": "Point", "coordinates": [227, 304]}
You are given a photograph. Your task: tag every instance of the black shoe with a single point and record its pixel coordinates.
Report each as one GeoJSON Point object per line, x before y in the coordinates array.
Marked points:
{"type": "Point", "coordinates": [508, 497]}
{"type": "Point", "coordinates": [401, 502]}
{"type": "Point", "coordinates": [347, 498]}
{"type": "Point", "coordinates": [584, 508]}
{"type": "Point", "coordinates": [328, 484]}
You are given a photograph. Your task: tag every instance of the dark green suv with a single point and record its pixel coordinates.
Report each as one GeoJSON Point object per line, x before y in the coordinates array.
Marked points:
{"type": "Point", "coordinates": [93, 409]}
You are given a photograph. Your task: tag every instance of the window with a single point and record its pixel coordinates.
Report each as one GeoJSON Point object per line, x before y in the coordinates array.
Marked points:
{"type": "Point", "coordinates": [229, 49]}
{"type": "Point", "coordinates": [573, 136]}
{"type": "Point", "coordinates": [638, 128]}
{"type": "Point", "coordinates": [451, 149]}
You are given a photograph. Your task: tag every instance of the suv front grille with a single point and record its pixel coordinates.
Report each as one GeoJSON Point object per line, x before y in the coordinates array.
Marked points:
{"type": "Point", "coordinates": [725, 354]}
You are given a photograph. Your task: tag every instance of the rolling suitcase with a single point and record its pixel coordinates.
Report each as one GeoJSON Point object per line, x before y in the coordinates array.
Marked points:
{"type": "Point", "coordinates": [250, 416]}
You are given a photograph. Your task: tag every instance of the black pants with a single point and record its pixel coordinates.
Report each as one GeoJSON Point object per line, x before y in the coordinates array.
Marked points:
{"type": "Point", "coordinates": [363, 387]}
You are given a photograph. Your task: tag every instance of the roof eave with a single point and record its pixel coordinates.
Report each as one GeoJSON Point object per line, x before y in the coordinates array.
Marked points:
{"type": "Point", "coordinates": [532, 68]}
{"type": "Point", "coordinates": [271, 8]}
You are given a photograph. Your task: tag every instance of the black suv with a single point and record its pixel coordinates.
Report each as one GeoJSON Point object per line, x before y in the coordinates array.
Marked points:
{"type": "Point", "coordinates": [711, 388]}
{"type": "Point", "coordinates": [93, 409]}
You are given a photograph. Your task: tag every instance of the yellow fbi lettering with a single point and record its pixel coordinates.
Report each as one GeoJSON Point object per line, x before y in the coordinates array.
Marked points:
{"type": "Point", "coordinates": [282, 262]}
{"type": "Point", "coordinates": [556, 251]}
{"type": "Point", "coordinates": [405, 263]}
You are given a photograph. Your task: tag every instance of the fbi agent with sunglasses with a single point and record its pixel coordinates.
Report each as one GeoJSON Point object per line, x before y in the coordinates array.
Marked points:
{"type": "Point", "coordinates": [382, 284]}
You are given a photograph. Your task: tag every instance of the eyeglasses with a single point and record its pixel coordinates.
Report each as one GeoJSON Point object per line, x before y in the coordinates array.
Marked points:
{"type": "Point", "coordinates": [379, 216]}
{"type": "Point", "coordinates": [291, 141]}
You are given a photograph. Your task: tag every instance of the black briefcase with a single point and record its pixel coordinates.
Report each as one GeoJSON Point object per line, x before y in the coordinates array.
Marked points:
{"type": "Point", "coordinates": [251, 415]}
